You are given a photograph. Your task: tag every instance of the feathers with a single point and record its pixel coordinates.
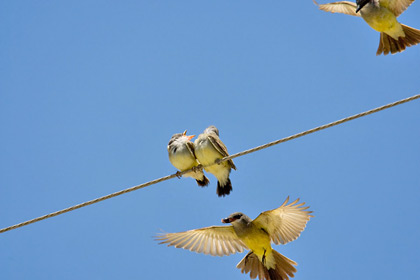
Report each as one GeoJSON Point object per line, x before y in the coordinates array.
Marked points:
{"type": "Point", "coordinates": [215, 240]}
{"type": "Point", "coordinates": [284, 267]}
{"type": "Point", "coordinates": [285, 223]}
{"type": "Point", "coordinates": [387, 44]}
{"type": "Point", "coordinates": [343, 7]}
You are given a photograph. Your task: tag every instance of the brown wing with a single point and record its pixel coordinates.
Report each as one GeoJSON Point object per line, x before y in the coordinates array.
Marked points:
{"type": "Point", "coordinates": [215, 240]}
{"type": "Point", "coordinates": [285, 223]}
{"type": "Point", "coordinates": [343, 7]}
{"type": "Point", "coordinates": [220, 147]}
{"type": "Point", "coordinates": [191, 147]}
{"type": "Point", "coordinates": [396, 6]}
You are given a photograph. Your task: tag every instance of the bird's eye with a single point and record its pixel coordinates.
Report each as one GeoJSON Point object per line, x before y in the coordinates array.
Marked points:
{"type": "Point", "coordinates": [237, 217]}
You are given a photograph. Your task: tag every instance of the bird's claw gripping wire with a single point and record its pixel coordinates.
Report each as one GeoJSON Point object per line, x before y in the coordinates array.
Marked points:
{"type": "Point", "coordinates": [178, 174]}
{"type": "Point", "coordinates": [197, 168]}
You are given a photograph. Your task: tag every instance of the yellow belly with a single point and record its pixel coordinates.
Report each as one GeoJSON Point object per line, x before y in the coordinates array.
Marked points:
{"type": "Point", "coordinates": [183, 161]}
{"type": "Point", "coordinates": [383, 20]}
{"type": "Point", "coordinates": [259, 242]}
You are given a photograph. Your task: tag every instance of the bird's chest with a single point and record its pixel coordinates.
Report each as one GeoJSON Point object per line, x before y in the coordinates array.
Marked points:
{"type": "Point", "coordinates": [379, 18]}
{"type": "Point", "coordinates": [206, 153]}
{"type": "Point", "coordinates": [255, 239]}
{"type": "Point", "coordinates": [182, 158]}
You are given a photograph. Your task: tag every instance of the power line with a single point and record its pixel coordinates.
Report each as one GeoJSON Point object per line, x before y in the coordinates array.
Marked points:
{"type": "Point", "coordinates": [200, 167]}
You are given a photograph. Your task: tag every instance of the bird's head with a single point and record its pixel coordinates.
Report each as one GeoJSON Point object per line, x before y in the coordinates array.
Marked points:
{"type": "Point", "coordinates": [236, 218]}
{"type": "Point", "coordinates": [179, 137]}
{"type": "Point", "coordinates": [211, 129]}
{"type": "Point", "coordinates": [189, 137]}
{"type": "Point", "coordinates": [360, 4]}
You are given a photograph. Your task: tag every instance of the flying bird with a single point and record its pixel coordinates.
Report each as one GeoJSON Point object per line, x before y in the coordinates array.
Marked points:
{"type": "Point", "coordinates": [208, 149]}
{"type": "Point", "coordinates": [182, 156]}
{"type": "Point", "coordinates": [381, 15]}
{"type": "Point", "coordinates": [280, 226]}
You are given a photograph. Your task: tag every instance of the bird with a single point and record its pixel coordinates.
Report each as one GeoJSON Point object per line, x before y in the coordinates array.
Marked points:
{"type": "Point", "coordinates": [182, 156]}
{"type": "Point", "coordinates": [381, 15]}
{"type": "Point", "coordinates": [280, 225]}
{"type": "Point", "coordinates": [208, 149]}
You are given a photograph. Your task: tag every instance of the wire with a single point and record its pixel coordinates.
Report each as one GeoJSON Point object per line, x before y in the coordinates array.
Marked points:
{"type": "Point", "coordinates": [178, 174]}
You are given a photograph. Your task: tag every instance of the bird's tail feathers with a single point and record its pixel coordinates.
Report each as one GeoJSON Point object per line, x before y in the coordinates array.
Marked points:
{"type": "Point", "coordinates": [203, 182]}
{"type": "Point", "coordinates": [224, 189]}
{"type": "Point", "coordinates": [387, 44]}
{"type": "Point", "coordinates": [250, 263]}
{"type": "Point", "coordinates": [284, 267]}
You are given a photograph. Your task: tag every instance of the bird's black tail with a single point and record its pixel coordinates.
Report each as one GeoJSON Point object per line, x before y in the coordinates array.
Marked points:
{"type": "Point", "coordinates": [203, 182]}
{"type": "Point", "coordinates": [224, 189]}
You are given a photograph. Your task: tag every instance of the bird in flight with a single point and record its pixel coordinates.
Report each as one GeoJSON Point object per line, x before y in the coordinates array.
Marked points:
{"type": "Point", "coordinates": [281, 225]}
{"type": "Point", "coordinates": [381, 15]}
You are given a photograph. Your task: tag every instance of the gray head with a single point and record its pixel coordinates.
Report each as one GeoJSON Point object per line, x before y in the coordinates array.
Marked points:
{"type": "Point", "coordinates": [179, 137]}
{"type": "Point", "coordinates": [360, 4]}
{"type": "Point", "coordinates": [212, 129]}
{"type": "Point", "coordinates": [237, 217]}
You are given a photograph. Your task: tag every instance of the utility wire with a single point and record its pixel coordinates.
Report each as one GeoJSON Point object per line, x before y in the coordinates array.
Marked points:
{"type": "Point", "coordinates": [178, 174]}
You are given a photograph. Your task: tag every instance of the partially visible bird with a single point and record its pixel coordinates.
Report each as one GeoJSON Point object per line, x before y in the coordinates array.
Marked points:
{"type": "Point", "coordinates": [208, 149]}
{"type": "Point", "coordinates": [280, 226]}
{"type": "Point", "coordinates": [381, 15]}
{"type": "Point", "coordinates": [182, 156]}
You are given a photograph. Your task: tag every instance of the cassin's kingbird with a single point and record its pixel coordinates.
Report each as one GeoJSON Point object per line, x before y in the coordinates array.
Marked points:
{"type": "Point", "coordinates": [181, 155]}
{"type": "Point", "coordinates": [280, 226]}
{"type": "Point", "coordinates": [208, 149]}
{"type": "Point", "coordinates": [381, 15]}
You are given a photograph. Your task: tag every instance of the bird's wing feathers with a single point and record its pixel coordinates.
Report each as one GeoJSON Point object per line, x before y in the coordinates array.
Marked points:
{"type": "Point", "coordinates": [285, 223]}
{"type": "Point", "coordinates": [221, 148]}
{"type": "Point", "coordinates": [396, 6]}
{"type": "Point", "coordinates": [215, 240]}
{"type": "Point", "coordinates": [343, 7]}
{"type": "Point", "coordinates": [190, 147]}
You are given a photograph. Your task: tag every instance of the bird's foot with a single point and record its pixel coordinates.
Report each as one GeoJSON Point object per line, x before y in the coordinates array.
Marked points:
{"type": "Point", "coordinates": [197, 168]}
{"type": "Point", "coordinates": [178, 174]}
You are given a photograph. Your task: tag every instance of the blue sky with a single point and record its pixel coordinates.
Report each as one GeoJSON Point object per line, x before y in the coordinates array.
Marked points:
{"type": "Point", "coordinates": [91, 92]}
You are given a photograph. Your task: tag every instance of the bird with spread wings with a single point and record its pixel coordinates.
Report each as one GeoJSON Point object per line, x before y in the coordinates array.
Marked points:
{"type": "Point", "coordinates": [281, 225]}
{"type": "Point", "coordinates": [381, 15]}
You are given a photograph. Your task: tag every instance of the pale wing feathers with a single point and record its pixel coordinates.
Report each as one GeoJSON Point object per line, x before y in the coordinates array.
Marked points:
{"type": "Point", "coordinates": [215, 240]}
{"type": "Point", "coordinates": [343, 7]}
{"type": "Point", "coordinates": [221, 148]}
{"type": "Point", "coordinates": [285, 223]}
{"type": "Point", "coordinates": [396, 6]}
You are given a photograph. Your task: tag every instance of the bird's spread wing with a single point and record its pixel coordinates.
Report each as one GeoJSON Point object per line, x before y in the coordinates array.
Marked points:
{"type": "Point", "coordinates": [215, 240]}
{"type": "Point", "coordinates": [285, 223]}
{"type": "Point", "coordinates": [221, 148]}
{"type": "Point", "coordinates": [396, 6]}
{"type": "Point", "coordinates": [343, 7]}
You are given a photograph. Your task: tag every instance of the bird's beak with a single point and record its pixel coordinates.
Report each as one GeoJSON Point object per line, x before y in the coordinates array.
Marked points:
{"type": "Point", "coordinates": [360, 4]}
{"type": "Point", "coordinates": [226, 221]}
{"type": "Point", "coordinates": [189, 137]}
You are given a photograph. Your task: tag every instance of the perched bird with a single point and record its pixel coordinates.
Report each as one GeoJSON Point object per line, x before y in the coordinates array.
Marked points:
{"type": "Point", "coordinates": [381, 15]}
{"type": "Point", "coordinates": [181, 155]}
{"type": "Point", "coordinates": [208, 149]}
{"type": "Point", "coordinates": [280, 225]}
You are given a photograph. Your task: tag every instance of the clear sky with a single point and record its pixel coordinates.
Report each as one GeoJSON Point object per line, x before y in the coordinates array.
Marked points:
{"type": "Point", "coordinates": [92, 91]}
